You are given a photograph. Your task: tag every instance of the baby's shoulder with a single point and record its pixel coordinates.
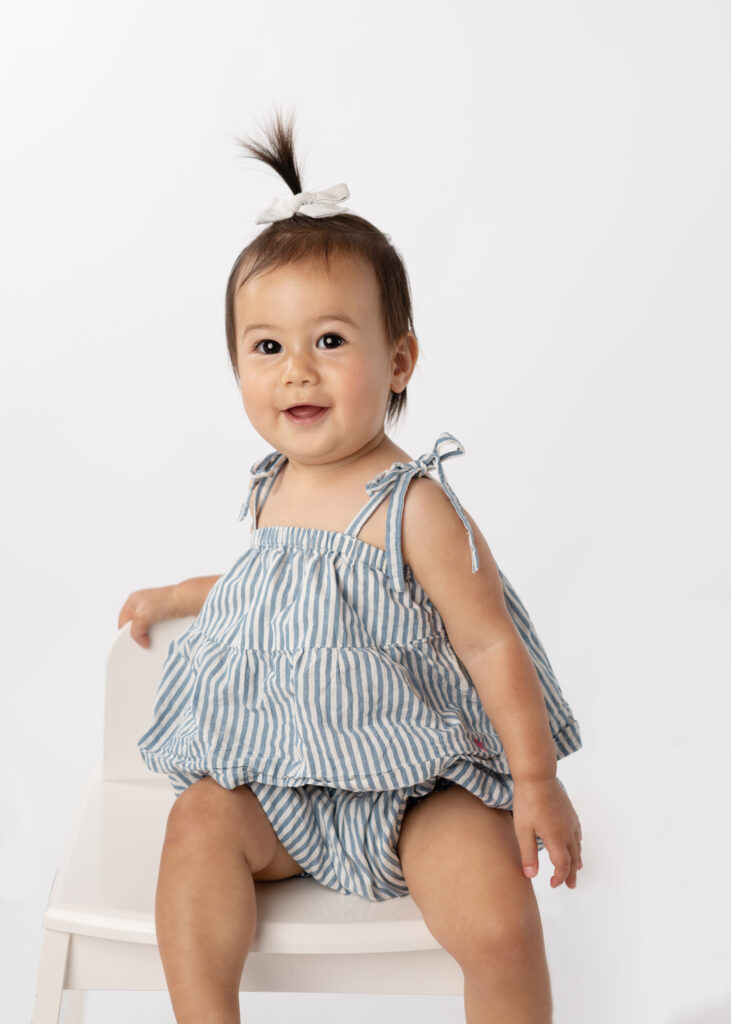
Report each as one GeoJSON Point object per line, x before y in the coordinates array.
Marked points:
{"type": "Point", "coordinates": [433, 536]}
{"type": "Point", "coordinates": [428, 515]}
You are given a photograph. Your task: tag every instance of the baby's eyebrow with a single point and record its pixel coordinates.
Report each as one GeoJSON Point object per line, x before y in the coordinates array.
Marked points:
{"type": "Point", "coordinates": [342, 317]}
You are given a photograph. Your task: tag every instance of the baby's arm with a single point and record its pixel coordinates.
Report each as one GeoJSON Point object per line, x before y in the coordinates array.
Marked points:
{"type": "Point", "coordinates": [486, 640]}
{"type": "Point", "coordinates": [154, 604]}
{"type": "Point", "coordinates": [479, 626]}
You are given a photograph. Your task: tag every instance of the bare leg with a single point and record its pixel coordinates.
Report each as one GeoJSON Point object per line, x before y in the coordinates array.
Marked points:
{"type": "Point", "coordinates": [514, 989]}
{"type": "Point", "coordinates": [461, 862]}
{"type": "Point", "coordinates": [216, 843]}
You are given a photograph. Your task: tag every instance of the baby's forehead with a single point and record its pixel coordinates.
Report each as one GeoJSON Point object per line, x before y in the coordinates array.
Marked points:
{"type": "Point", "coordinates": [333, 268]}
{"type": "Point", "coordinates": [310, 289]}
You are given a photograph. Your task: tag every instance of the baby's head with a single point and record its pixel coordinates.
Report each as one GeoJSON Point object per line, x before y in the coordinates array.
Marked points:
{"type": "Point", "coordinates": [333, 297]}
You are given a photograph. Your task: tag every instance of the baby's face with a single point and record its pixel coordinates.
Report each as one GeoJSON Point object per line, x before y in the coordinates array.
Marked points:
{"type": "Point", "coordinates": [324, 344]}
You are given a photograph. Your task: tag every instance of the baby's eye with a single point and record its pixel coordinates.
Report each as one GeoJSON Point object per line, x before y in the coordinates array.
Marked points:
{"type": "Point", "coordinates": [265, 341]}
{"type": "Point", "coordinates": [331, 336]}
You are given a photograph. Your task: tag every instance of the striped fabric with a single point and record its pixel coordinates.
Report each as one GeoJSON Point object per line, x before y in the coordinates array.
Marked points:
{"type": "Point", "coordinates": [319, 673]}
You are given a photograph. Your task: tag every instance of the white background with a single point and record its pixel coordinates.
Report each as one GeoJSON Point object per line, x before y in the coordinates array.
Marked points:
{"type": "Point", "coordinates": [556, 177]}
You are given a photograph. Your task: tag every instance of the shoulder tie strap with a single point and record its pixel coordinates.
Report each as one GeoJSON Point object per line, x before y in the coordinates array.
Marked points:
{"type": "Point", "coordinates": [264, 469]}
{"type": "Point", "coordinates": [397, 479]}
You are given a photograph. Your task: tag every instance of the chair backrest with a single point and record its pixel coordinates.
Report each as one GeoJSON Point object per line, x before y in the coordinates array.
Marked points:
{"type": "Point", "coordinates": [132, 675]}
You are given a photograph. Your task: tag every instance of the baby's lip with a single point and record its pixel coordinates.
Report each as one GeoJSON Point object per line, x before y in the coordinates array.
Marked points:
{"type": "Point", "coordinates": [305, 405]}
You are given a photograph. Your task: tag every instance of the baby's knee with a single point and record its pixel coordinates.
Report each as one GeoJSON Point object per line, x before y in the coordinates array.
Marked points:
{"type": "Point", "coordinates": [483, 925]}
{"type": "Point", "coordinates": [201, 813]}
{"type": "Point", "coordinates": [518, 925]}
{"type": "Point", "coordinates": [503, 933]}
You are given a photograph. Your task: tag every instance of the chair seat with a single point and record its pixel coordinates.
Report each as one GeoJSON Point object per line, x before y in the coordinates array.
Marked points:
{"type": "Point", "coordinates": [105, 886]}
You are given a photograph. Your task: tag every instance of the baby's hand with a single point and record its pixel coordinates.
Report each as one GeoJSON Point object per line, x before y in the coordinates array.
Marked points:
{"type": "Point", "coordinates": [145, 607]}
{"type": "Point", "coordinates": [542, 808]}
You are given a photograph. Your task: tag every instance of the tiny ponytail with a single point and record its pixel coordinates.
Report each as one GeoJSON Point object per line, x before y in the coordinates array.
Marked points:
{"type": "Point", "coordinates": [279, 154]}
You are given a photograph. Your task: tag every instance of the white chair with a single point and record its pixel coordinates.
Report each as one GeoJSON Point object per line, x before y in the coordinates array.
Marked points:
{"type": "Point", "coordinates": [99, 927]}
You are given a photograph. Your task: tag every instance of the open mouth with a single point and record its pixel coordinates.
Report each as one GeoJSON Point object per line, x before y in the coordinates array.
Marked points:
{"type": "Point", "coordinates": [305, 413]}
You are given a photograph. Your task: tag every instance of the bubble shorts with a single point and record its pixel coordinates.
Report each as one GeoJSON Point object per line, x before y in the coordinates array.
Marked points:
{"type": "Point", "coordinates": [348, 840]}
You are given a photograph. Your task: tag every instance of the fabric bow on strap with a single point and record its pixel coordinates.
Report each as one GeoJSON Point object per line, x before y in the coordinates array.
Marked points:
{"type": "Point", "coordinates": [313, 204]}
{"type": "Point", "coordinates": [398, 477]}
{"type": "Point", "coordinates": [259, 471]}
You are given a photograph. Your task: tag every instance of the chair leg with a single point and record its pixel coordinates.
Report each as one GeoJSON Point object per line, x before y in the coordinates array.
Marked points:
{"type": "Point", "coordinates": [51, 976]}
{"type": "Point", "coordinates": [74, 1001]}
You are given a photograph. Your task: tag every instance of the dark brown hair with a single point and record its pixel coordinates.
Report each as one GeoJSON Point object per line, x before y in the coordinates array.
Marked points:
{"type": "Point", "coordinates": [300, 238]}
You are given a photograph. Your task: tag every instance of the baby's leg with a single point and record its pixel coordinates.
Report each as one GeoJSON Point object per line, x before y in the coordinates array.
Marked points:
{"type": "Point", "coordinates": [461, 862]}
{"type": "Point", "coordinates": [216, 842]}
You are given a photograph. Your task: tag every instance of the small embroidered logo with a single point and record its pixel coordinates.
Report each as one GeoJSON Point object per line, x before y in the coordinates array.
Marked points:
{"type": "Point", "coordinates": [479, 744]}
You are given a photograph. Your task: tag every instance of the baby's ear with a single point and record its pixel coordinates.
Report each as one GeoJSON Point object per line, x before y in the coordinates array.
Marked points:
{"type": "Point", "coordinates": [405, 356]}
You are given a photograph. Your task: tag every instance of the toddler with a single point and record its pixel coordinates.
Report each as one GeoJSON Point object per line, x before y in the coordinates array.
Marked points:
{"type": "Point", "coordinates": [362, 698]}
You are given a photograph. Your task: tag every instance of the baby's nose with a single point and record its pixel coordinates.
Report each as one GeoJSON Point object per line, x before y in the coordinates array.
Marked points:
{"type": "Point", "coordinates": [299, 368]}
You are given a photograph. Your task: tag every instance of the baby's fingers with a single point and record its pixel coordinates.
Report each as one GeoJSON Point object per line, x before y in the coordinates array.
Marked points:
{"type": "Point", "coordinates": [566, 861]}
{"type": "Point", "coordinates": [575, 865]}
{"type": "Point", "coordinates": [561, 860]}
{"type": "Point", "coordinates": [140, 621]}
{"type": "Point", "coordinates": [125, 614]}
{"type": "Point", "coordinates": [138, 632]}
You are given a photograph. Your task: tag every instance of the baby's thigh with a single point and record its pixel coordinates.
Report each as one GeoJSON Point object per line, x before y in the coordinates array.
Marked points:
{"type": "Point", "coordinates": [462, 864]}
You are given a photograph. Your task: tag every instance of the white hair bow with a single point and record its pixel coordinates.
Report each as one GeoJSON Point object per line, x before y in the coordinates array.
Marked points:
{"type": "Point", "coordinates": [313, 204]}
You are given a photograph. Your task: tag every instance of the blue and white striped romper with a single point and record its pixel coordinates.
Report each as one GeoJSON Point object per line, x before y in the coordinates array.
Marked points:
{"type": "Point", "coordinates": [319, 673]}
